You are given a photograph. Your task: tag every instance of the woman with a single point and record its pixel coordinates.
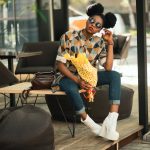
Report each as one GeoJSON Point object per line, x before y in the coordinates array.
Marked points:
{"type": "Point", "coordinates": [84, 41]}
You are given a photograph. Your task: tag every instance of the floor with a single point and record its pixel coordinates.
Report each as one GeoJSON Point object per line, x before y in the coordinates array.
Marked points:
{"type": "Point", "coordinates": [137, 144]}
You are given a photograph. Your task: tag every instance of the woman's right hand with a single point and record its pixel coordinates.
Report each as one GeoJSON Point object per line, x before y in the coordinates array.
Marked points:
{"type": "Point", "coordinates": [65, 71]}
{"type": "Point", "coordinates": [84, 85]}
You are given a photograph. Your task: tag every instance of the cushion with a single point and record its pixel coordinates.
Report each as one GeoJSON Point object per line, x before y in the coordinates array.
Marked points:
{"type": "Point", "coordinates": [26, 128]}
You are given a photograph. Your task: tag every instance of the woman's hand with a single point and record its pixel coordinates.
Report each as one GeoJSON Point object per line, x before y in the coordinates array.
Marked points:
{"type": "Point", "coordinates": [107, 36]}
{"type": "Point", "coordinates": [84, 85]}
{"type": "Point", "coordinates": [109, 58]}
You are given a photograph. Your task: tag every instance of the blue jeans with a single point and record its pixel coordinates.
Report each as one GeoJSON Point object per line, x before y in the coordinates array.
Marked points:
{"type": "Point", "coordinates": [112, 78]}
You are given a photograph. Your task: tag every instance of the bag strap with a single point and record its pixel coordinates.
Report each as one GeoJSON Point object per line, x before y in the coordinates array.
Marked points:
{"type": "Point", "coordinates": [25, 93]}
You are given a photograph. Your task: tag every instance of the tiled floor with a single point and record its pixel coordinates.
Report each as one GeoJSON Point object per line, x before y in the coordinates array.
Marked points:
{"type": "Point", "coordinates": [137, 145]}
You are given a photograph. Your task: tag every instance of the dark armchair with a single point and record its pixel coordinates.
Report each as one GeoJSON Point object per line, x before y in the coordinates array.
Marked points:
{"type": "Point", "coordinates": [121, 46]}
{"type": "Point", "coordinates": [37, 57]}
{"type": "Point", "coordinates": [7, 78]}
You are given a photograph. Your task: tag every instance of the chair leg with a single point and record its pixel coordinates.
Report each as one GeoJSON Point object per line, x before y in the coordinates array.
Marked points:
{"type": "Point", "coordinates": [19, 98]}
{"type": "Point", "coordinates": [20, 77]}
{"type": "Point", "coordinates": [74, 125]}
{"type": "Point", "coordinates": [36, 99]}
{"type": "Point", "coordinates": [72, 131]}
{"type": "Point", "coordinates": [123, 61]}
{"type": "Point", "coordinates": [27, 78]}
{"type": "Point", "coordinates": [5, 100]}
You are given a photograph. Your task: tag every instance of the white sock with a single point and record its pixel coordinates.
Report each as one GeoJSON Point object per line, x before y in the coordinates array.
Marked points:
{"type": "Point", "coordinates": [108, 130]}
{"type": "Point", "coordinates": [95, 128]}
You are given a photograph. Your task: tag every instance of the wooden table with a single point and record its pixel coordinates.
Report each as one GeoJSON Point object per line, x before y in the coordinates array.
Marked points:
{"type": "Point", "coordinates": [19, 87]}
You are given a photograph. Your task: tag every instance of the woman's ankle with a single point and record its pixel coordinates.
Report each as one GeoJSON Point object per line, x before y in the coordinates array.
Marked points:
{"type": "Point", "coordinates": [83, 116]}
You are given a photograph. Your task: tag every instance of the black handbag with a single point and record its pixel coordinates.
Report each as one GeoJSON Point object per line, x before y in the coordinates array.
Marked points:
{"type": "Point", "coordinates": [42, 80]}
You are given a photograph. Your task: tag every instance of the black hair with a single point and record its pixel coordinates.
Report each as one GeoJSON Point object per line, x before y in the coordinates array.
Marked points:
{"type": "Point", "coordinates": [98, 9]}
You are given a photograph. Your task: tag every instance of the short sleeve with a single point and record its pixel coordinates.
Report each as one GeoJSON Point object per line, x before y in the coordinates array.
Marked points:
{"type": "Point", "coordinates": [63, 48]}
{"type": "Point", "coordinates": [103, 54]}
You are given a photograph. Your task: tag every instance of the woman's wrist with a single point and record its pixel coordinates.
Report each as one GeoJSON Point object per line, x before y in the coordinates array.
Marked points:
{"type": "Point", "coordinates": [76, 79]}
{"type": "Point", "coordinates": [110, 43]}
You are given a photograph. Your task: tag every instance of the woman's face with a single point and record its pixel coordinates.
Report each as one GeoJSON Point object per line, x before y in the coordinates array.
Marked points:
{"type": "Point", "coordinates": [94, 24]}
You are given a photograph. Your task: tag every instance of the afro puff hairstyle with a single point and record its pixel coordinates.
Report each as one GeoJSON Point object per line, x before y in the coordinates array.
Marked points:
{"type": "Point", "coordinates": [98, 9]}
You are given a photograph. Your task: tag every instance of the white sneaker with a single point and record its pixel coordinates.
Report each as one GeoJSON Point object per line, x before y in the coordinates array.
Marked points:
{"type": "Point", "coordinates": [108, 129]}
{"type": "Point", "coordinates": [95, 128]}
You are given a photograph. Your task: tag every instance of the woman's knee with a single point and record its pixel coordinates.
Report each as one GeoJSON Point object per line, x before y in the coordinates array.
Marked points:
{"type": "Point", "coordinates": [68, 86]}
{"type": "Point", "coordinates": [72, 90]}
{"type": "Point", "coordinates": [115, 75]}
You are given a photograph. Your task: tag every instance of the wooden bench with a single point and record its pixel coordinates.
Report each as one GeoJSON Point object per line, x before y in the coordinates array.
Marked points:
{"type": "Point", "coordinates": [19, 87]}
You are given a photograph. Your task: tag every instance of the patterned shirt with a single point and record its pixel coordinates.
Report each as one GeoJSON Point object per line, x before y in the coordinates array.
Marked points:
{"type": "Point", "coordinates": [74, 42]}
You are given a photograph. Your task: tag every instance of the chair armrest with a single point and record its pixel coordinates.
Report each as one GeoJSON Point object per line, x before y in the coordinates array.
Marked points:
{"type": "Point", "coordinates": [28, 54]}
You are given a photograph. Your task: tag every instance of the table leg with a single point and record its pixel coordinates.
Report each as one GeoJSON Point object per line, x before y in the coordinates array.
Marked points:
{"type": "Point", "coordinates": [10, 65]}
{"type": "Point", "coordinates": [12, 100]}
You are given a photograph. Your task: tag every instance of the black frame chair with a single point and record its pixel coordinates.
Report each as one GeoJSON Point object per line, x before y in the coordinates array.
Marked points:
{"type": "Point", "coordinates": [36, 57]}
{"type": "Point", "coordinates": [121, 46]}
{"type": "Point", "coordinates": [7, 78]}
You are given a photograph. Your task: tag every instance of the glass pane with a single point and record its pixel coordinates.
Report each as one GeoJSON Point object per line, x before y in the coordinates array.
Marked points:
{"type": "Point", "coordinates": [7, 32]}
{"type": "Point", "coordinates": [18, 23]}
{"type": "Point", "coordinates": [26, 22]}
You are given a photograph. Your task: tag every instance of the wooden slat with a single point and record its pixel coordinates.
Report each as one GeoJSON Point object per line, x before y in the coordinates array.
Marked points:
{"type": "Point", "coordinates": [28, 54]}
{"type": "Point", "coordinates": [18, 88]}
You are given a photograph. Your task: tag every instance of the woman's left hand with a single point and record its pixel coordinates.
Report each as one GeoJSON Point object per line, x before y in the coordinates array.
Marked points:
{"type": "Point", "coordinates": [107, 36]}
